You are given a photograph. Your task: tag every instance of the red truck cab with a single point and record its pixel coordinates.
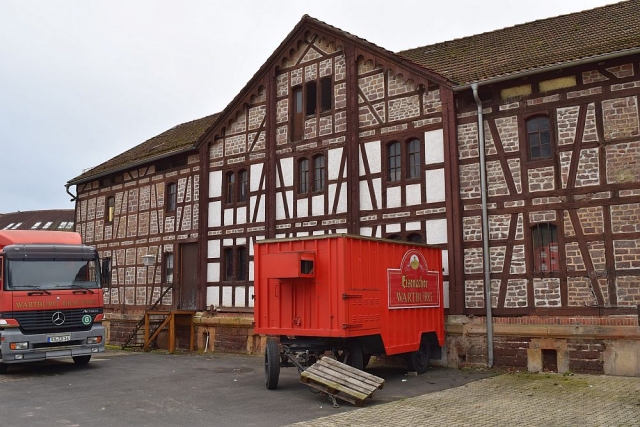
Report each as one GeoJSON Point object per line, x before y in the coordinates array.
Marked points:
{"type": "Point", "coordinates": [51, 300]}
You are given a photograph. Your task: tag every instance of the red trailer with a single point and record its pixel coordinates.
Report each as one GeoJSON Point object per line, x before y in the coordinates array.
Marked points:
{"type": "Point", "coordinates": [350, 296]}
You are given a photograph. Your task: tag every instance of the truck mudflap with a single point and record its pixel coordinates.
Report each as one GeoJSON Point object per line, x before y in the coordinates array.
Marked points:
{"type": "Point", "coordinates": [16, 347]}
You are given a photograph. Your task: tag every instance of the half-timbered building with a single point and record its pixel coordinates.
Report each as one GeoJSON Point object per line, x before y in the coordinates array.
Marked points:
{"type": "Point", "coordinates": [515, 151]}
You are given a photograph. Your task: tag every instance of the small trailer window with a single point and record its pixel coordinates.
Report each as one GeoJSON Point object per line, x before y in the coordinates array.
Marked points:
{"type": "Point", "coordinates": [306, 266]}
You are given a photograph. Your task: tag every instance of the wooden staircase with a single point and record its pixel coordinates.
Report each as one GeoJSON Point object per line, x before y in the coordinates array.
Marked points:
{"type": "Point", "coordinates": [148, 328]}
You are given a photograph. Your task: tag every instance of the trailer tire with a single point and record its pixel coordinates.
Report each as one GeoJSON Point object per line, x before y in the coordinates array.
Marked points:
{"type": "Point", "coordinates": [81, 360]}
{"type": "Point", "coordinates": [271, 365]}
{"type": "Point", "coordinates": [356, 358]}
{"type": "Point", "coordinates": [3, 368]}
{"type": "Point", "coordinates": [418, 361]}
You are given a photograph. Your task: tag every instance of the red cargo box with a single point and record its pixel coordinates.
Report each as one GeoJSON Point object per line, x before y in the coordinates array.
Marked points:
{"type": "Point", "coordinates": [350, 288]}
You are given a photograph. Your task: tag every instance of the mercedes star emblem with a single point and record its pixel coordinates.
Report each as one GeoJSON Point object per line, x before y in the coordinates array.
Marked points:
{"type": "Point", "coordinates": [58, 318]}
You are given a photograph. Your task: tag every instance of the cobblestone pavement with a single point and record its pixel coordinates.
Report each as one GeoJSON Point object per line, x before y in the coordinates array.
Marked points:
{"type": "Point", "coordinates": [509, 400]}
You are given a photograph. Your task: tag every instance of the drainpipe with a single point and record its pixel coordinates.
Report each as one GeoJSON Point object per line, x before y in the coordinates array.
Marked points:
{"type": "Point", "coordinates": [485, 227]}
{"type": "Point", "coordinates": [73, 196]}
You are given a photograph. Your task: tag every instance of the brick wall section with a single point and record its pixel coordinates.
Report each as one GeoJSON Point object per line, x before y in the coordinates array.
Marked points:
{"type": "Point", "coordinates": [510, 352]}
{"type": "Point", "coordinates": [546, 292]}
{"type": "Point", "coordinates": [231, 339]}
{"type": "Point", "coordinates": [625, 218]}
{"type": "Point", "coordinates": [508, 130]}
{"type": "Point", "coordinates": [591, 220]}
{"type": "Point", "coordinates": [516, 293]}
{"type": "Point", "coordinates": [627, 253]}
{"type": "Point", "coordinates": [580, 292]}
{"type": "Point", "coordinates": [541, 179]}
{"type": "Point", "coordinates": [468, 141]}
{"type": "Point", "coordinates": [585, 356]}
{"type": "Point", "coordinates": [567, 121]}
{"type": "Point", "coordinates": [628, 291]}
{"type": "Point", "coordinates": [620, 118]}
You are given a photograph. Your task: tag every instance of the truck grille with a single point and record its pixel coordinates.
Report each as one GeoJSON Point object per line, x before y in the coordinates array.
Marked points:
{"type": "Point", "coordinates": [39, 322]}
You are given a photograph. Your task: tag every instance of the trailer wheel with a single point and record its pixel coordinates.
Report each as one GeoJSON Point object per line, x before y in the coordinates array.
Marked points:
{"type": "Point", "coordinates": [81, 360]}
{"type": "Point", "coordinates": [366, 358]}
{"type": "Point", "coordinates": [271, 365]}
{"type": "Point", "coordinates": [356, 358]}
{"type": "Point", "coordinates": [3, 368]}
{"type": "Point", "coordinates": [418, 361]}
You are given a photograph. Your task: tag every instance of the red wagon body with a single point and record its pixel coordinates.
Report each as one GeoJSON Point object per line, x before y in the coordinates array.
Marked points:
{"type": "Point", "coordinates": [351, 289]}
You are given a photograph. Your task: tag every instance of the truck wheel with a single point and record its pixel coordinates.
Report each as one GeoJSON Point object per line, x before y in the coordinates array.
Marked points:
{"type": "Point", "coordinates": [3, 368]}
{"type": "Point", "coordinates": [366, 358]}
{"type": "Point", "coordinates": [81, 360]}
{"type": "Point", "coordinates": [271, 365]}
{"type": "Point", "coordinates": [418, 361]}
{"type": "Point", "coordinates": [356, 358]}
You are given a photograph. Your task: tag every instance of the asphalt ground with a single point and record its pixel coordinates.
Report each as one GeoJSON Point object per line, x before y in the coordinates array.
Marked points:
{"type": "Point", "coordinates": [158, 389]}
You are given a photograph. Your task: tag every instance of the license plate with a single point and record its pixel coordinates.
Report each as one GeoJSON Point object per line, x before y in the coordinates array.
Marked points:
{"type": "Point", "coordinates": [59, 338]}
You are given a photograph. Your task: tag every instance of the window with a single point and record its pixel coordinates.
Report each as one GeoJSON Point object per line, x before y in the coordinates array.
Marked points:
{"type": "Point", "coordinates": [243, 176]}
{"type": "Point", "coordinates": [236, 264]}
{"type": "Point", "coordinates": [539, 137]}
{"type": "Point", "coordinates": [414, 237]}
{"type": "Point", "coordinates": [315, 97]}
{"type": "Point", "coordinates": [404, 160]}
{"type": "Point", "coordinates": [319, 173]}
{"type": "Point", "coordinates": [545, 248]}
{"type": "Point", "coordinates": [312, 175]}
{"type": "Point", "coordinates": [168, 268]}
{"type": "Point", "coordinates": [172, 194]}
{"type": "Point", "coordinates": [36, 225]}
{"type": "Point", "coordinates": [303, 176]}
{"type": "Point", "coordinates": [297, 119]}
{"type": "Point", "coordinates": [413, 159]}
{"type": "Point", "coordinates": [111, 209]}
{"type": "Point", "coordinates": [237, 187]}
{"type": "Point", "coordinates": [394, 162]}
{"type": "Point", "coordinates": [106, 271]}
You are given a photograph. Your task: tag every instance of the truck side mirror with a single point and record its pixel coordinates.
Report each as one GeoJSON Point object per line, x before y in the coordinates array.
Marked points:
{"type": "Point", "coordinates": [106, 272]}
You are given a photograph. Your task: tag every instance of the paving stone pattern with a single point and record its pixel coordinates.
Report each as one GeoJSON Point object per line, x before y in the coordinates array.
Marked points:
{"type": "Point", "coordinates": [509, 400]}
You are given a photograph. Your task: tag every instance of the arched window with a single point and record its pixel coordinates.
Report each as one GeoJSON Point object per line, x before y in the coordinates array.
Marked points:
{"type": "Point", "coordinates": [545, 248]}
{"type": "Point", "coordinates": [413, 158]}
{"type": "Point", "coordinates": [243, 178]}
{"type": "Point", "coordinates": [539, 138]}
{"type": "Point", "coordinates": [394, 237]}
{"type": "Point", "coordinates": [111, 209]}
{"type": "Point", "coordinates": [297, 116]}
{"type": "Point", "coordinates": [303, 176]}
{"type": "Point", "coordinates": [394, 162]}
{"type": "Point", "coordinates": [172, 196]}
{"type": "Point", "coordinates": [319, 173]}
{"type": "Point", "coordinates": [231, 187]}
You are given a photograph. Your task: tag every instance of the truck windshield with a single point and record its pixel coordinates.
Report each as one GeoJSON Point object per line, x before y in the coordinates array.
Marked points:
{"type": "Point", "coordinates": [47, 275]}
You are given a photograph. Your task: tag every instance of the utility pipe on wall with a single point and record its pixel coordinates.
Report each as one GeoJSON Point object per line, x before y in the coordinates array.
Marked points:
{"type": "Point", "coordinates": [486, 261]}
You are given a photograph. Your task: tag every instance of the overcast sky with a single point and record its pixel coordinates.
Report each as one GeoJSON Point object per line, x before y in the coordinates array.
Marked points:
{"type": "Point", "coordinates": [82, 81]}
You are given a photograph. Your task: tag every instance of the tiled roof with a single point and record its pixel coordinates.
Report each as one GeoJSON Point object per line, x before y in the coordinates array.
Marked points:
{"type": "Point", "coordinates": [56, 219]}
{"type": "Point", "coordinates": [537, 44]}
{"type": "Point", "coordinates": [174, 140]}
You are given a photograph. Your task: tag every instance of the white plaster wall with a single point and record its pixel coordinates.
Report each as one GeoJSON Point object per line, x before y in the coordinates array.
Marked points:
{"type": "Point", "coordinates": [287, 171]}
{"type": "Point", "coordinates": [227, 292]}
{"type": "Point", "coordinates": [413, 193]}
{"type": "Point", "coordinates": [252, 203]}
{"type": "Point", "coordinates": [365, 197]}
{"type": "Point", "coordinates": [393, 228]}
{"type": "Point", "coordinates": [366, 231]}
{"type": "Point", "coordinates": [317, 205]}
{"type": "Point", "coordinates": [373, 156]}
{"type": "Point", "coordinates": [433, 147]}
{"type": "Point", "coordinates": [255, 175]}
{"type": "Point", "coordinates": [342, 200]}
{"type": "Point", "coordinates": [411, 226]}
{"type": "Point", "coordinates": [394, 197]}
{"type": "Point", "coordinates": [213, 272]}
{"type": "Point", "coordinates": [251, 276]}
{"type": "Point", "coordinates": [228, 216]}
{"type": "Point", "coordinates": [241, 216]}
{"type": "Point", "coordinates": [213, 249]}
{"type": "Point", "coordinates": [280, 214]}
{"type": "Point", "coordinates": [215, 184]}
{"type": "Point", "coordinates": [251, 292]}
{"type": "Point", "coordinates": [214, 214]}
{"type": "Point", "coordinates": [213, 298]}
{"type": "Point", "coordinates": [435, 186]}
{"type": "Point", "coordinates": [240, 292]}
{"type": "Point", "coordinates": [241, 241]}
{"type": "Point", "coordinates": [436, 231]}
{"type": "Point", "coordinates": [334, 158]}
{"type": "Point", "coordinates": [303, 207]}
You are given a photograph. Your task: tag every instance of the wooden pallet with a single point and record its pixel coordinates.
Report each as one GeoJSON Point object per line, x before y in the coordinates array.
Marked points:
{"type": "Point", "coordinates": [342, 381]}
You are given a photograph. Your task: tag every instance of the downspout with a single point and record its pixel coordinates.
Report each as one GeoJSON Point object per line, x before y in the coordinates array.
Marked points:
{"type": "Point", "coordinates": [73, 196]}
{"type": "Point", "coordinates": [486, 261]}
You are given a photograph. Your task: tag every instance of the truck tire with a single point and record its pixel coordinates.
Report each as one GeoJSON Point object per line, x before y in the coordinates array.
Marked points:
{"type": "Point", "coordinates": [271, 365]}
{"type": "Point", "coordinates": [356, 358]}
{"type": "Point", "coordinates": [3, 368]}
{"type": "Point", "coordinates": [81, 360]}
{"type": "Point", "coordinates": [418, 361]}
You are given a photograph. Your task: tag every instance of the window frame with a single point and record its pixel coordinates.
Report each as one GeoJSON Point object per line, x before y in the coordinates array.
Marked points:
{"type": "Point", "coordinates": [168, 265]}
{"type": "Point", "coordinates": [538, 256]}
{"type": "Point", "coordinates": [172, 197]}
{"type": "Point", "coordinates": [312, 178]}
{"type": "Point", "coordinates": [110, 209]}
{"type": "Point", "coordinates": [313, 98]}
{"type": "Point", "coordinates": [526, 136]}
{"type": "Point", "coordinates": [235, 264]}
{"type": "Point", "coordinates": [403, 161]}
{"type": "Point", "coordinates": [236, 186]}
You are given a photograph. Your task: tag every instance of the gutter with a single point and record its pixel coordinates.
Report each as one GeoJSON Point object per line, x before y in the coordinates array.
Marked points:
{"type": "Point", "coordinates": [553, 67]}
{"type": "Point", "coordinates": [486, 262]}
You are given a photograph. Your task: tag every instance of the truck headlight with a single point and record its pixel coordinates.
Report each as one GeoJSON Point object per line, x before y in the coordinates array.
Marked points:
{"type": "Point", "coordinates": [94, 340]}
{"type": "Point", "coordinates": [19, 345]}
